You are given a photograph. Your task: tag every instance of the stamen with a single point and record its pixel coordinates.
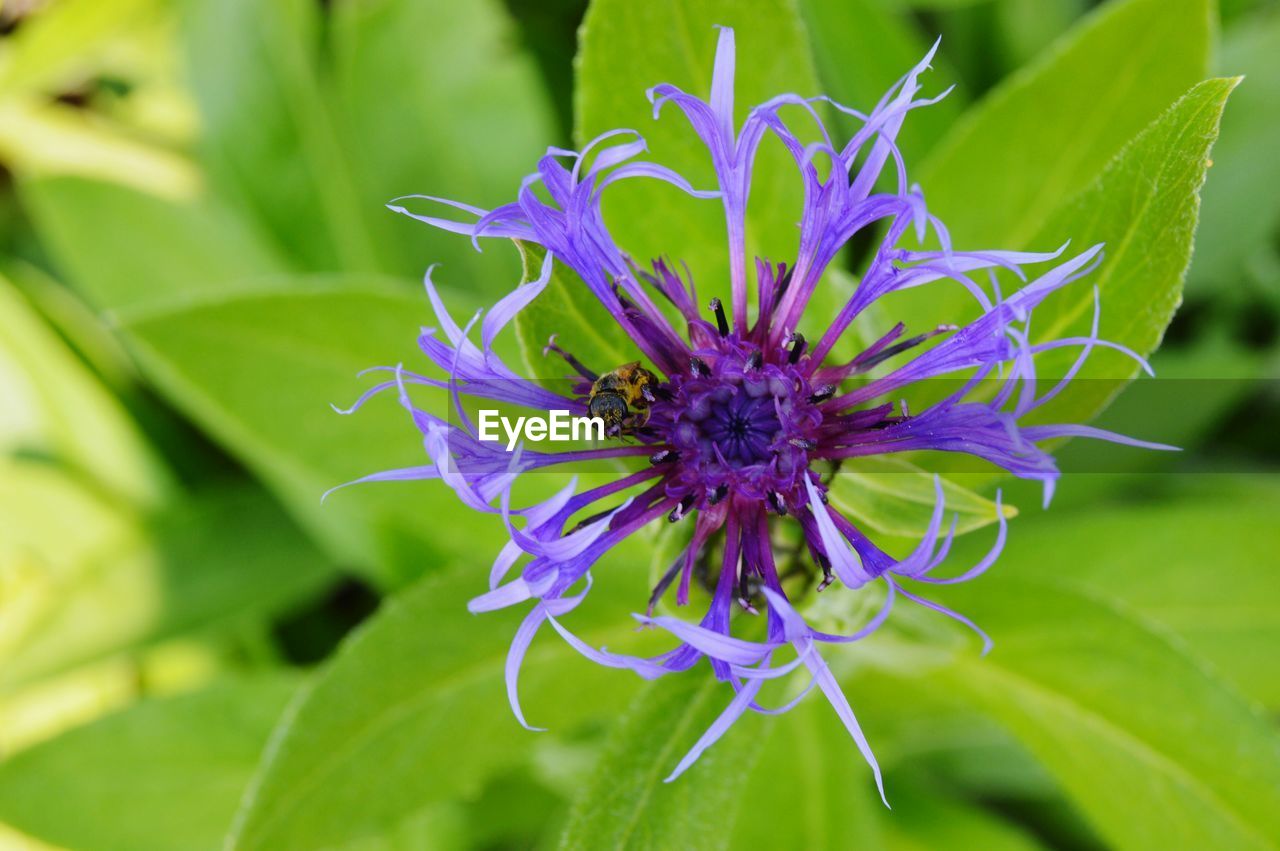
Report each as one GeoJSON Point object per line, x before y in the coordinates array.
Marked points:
{"type": "Point", "coordinates": [623, 301]}
{"type": "Point", "coordinates": [569, 359]}
{"type": "Point", "coordinates": [679, 510]}
{"type": "Point", "coordinates": [803, 443]}
{"type": "Point", "coordinates": [663, 584]}
{"type": "Point", "coordinates": [798, 347]}
{"type": "Point", "coordinates": [898, 348]}
{"type": "Point", "coordinates": [722, 321]}
{"type": "Point", "coordinates": [777, 503]}
{"type": "Point", "coordinates": [822, 394]}
{"type": "Point", "coordinates": [717, 496]}
{"type": "Point", "coordinates": [744, 592]}
{"type": "Point", "coordinates": [827, 578]}
{"type": "Point", "coordinates": [698, 367]}
{"type": "Point", "coordinates": [664, 456]}
{"type": "Point", "coordinates": [753, 362]}
{"type": "Point", "coordinates": [593, 518]}
{"type": "Point", "coordinates": [783, 283]}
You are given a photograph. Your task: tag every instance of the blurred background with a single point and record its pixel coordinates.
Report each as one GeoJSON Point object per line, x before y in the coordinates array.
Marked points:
{"type": "Point", "coordinates": [195, 260]}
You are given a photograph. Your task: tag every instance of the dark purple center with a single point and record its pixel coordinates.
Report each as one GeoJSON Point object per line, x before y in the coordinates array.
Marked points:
{"type": "Point", "coordinates": [739, 426]}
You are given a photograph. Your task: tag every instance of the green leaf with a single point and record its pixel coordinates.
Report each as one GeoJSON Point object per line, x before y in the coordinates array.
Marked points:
{"type": "Point", "coordinates": [442, 827]}
{"type": "Point", "coordinates": [50, 396]}
{"type": "Point", "coordinates": [810, 789]}
{"type": "Point", "coordinates": [259, 372]}
{"type": "Point", "coordinates": [80, 573]}
{"type": "Point", "coordinates": [627, 804]}
{"type": "Point", "coordinates": [1241, 209]}
{"type": "Point", "coordinates": [1027, 27]}
{"type": "Point", "coordinates": [413, 706]}
{"type": "Point", "coordinates": [77, 323]}
{"type": "Point", "coordinates": [123, 248]}
{"type": "Point", "coordinates": [567, 310]}
{"type": "Point", "coordinates": [1155, 751]}
{"type": "Point", "coordinates": [269, 140]}
{"type": "Point", "coordinates": [895, 497]}
{"type": "Point", "coordinates": [50, 50]}
{"type": "Point", "coordinates": [923, 819]}
{"type": "Point", "coordinates": [1144, 208]}
{"type": "Point", "coordinates": [42, 138]}
{"type": "Point", "coordinates": [443, 102]}
{"type": "Point", "coordinates": [863, 47]}
{"type": "Point", "coordinates": [126, 136]}
{"type": "Point", "coordinates": [1047, 131]}
{"type": "Point", "coordinates": [1153, 559]}
{"type": "Point", "coordinates": [164, 774]}
{"type": "Point", "coordinates": [90, 577]}
{"type": "Point", "coordinates": [939, 5]}
{"type": "Point", "coordinates": [807, 755]}
{"type": "Point", "coordinates": [674, 42]}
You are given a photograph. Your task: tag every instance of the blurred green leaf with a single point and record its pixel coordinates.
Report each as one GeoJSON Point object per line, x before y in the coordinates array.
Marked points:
{"type": "Point", "coordinates": [627, 804]}
{"type": "Point", "coordinates": [269, 139]}
{"type": "Point", "coordinates": [38, 138]}
{"type": "Point", "coordinates": [1232, 10]}
{"type": "Point", "coordinates": [87, 577]}
{"type": "Point", "coordinates": [78, 323]}
{"type": "Point", "coordinates": [1049, 129]}
{"type": "Point", "coordinates": [413, 706]}
{"type": "Point", "coordinates": [674, 41]}
{"type": "Point", "coordinates": [49, 397]}
{"type": "Point", "coordinates": [1144, 207]}
{"type": "Point", "coordinates": [811, 789]}
{"type": "Point", "coordinates": [939, 4]}
{"type": "Point", "coordinates": [924, 820]}
{"type": "Point", "coordinates": [1197, 389]}
{"type": "Point", "coordinates": [1026, 27]}
{"type": "Point", "coordinates": [438, 99]}
{"type": "Point", "coordinates": [567, 310]}
{"type": "Point", "coordinates": [58, 46]}
{"type": "Point", "coordinates": [515, 807]}
{"type": "Point", "coordinates": [794, 782]}
{"type": "Point", "coordinates": [1241, 207]}
{"type": "Point", "coordinates": [123, 248]}
{"type": "Point", "coordinates": [895, 497]}
{"type": "Point", "coordinates": [441, 827]}
{"type": "Point", "coordinates": [259, 372]}
{"type": "Point", "coordinates": [164, 774]}
{"type": "Point", "coordinates": [79, 578]}
{"type": "Point", "coordinates": [1156, 751]}
{"type": "Point", "coordinates": [1158, 560]}
{"type": "Point", "coordinates": [862, 47]}
{"type": "Point", "coordinates": [66, 49]}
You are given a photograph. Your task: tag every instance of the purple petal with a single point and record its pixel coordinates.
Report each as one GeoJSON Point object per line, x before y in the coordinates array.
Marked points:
{"type": "Point", "coordinates": [844, 561]}
{"type": "Point", "coordinates": [717, 645]}
{"type": "Point", "coordinates": [719, 727]}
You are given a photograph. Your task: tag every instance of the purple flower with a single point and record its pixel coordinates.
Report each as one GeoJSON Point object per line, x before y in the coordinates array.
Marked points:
{"type": "Point", "coordinates": [746, 417]}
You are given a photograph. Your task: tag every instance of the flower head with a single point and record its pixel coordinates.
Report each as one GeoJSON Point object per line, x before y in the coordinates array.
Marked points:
{"type": "Point", "coordinates": [744, 419]}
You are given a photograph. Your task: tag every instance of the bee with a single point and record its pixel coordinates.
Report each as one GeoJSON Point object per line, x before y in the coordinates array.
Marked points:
{"type": "Point", "coordinates": [615, 393]}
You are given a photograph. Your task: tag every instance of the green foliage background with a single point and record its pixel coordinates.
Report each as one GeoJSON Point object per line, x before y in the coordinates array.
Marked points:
{"type": "Point", "coordinates": [195, 260]}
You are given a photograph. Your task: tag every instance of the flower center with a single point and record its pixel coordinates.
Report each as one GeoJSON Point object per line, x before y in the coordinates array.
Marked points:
{"type": "Point", "coordinates": [738, 425]}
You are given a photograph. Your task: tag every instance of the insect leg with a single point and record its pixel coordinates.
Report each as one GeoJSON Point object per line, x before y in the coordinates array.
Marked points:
{"type": "Point", "coordinates": [569, 359]}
